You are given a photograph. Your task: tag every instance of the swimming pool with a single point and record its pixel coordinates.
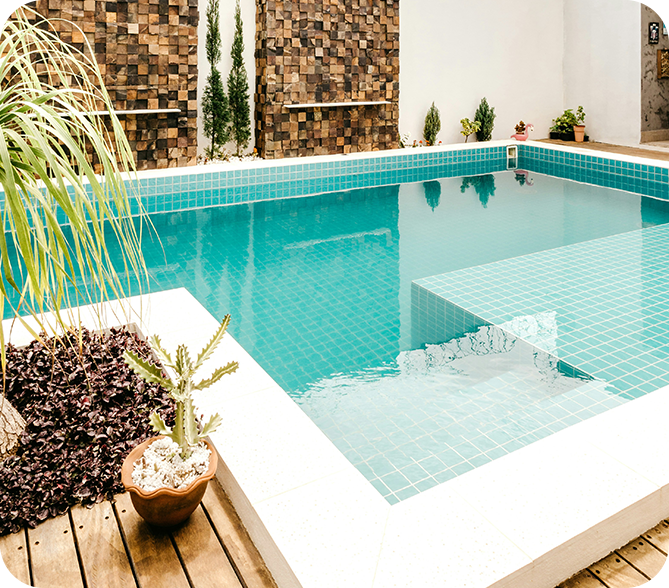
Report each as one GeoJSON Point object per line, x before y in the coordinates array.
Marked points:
{"type": "Point", "coordinates": [320, 290]}
{"type": "Point", "coordinates": [324, 293]}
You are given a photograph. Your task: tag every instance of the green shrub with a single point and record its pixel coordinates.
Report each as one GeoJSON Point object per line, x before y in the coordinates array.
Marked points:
{"type": "Point", "coordinates": [486, 117]}
{"type": "Point", "coordinates": [432, 125]}
{"type": "Point", "coordinates": [566, 122]}
{"type": "Point", "coordinates": [215, 109]}
{"type": "Point", "coordinates": [469, 127]}
{"type": "Point", "coordinates": [238, 90]}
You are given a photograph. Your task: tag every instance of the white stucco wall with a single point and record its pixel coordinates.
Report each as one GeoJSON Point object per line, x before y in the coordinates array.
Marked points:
{"type": "Point", "coordinates": [227, 26]}
{"type": "Point", "coordinates": [602, 67]}
{"type": "Point", "coordinates": [456, 52]}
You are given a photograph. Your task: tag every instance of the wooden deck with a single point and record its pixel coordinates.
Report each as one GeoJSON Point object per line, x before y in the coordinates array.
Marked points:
{"type": "Point", "coordinates": [110, 546]}
{"type": "Point", "coordinates": [646, 152]}
{"type": "Point", "coordinates": [630, 566]}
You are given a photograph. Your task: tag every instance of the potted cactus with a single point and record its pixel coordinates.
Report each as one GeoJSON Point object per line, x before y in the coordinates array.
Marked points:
{"type": "Point", "coordinates": [167, 475]}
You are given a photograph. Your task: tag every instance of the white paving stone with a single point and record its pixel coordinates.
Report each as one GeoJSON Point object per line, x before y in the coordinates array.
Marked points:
{"type": "Point", "coordinates": [330, 531]}
{"type": "Point", "coordinates": [271, 446]}
{"type": "Point", "coordinates": [437, 539]}
{"type": "Point", "coordinates": [551, 491]}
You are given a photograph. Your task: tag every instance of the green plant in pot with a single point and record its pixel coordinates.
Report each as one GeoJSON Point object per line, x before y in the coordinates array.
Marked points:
{"type": "Point", "coordinates": [167, 475]}
{"type": "Point", "coordinates": [579, 127]}
{"type": "Point", "coordinates": [432, 125]}
{"type": "Point", "coordinates": [565, 126]}
{"type": "Point", "coordinates": [469, 127]}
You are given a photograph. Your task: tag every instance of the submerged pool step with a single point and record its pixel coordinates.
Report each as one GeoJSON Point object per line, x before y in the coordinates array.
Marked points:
{"type": "Point", "coordinates": [440, 411]}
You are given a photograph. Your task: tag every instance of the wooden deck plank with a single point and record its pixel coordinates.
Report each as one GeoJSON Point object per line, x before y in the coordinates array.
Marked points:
{"type": "Point", "coordinates": [615, 572]}
{"type": "Point", "coordinates": [583, 579]}
{"type": "Point", "coordinates": [103, 557]}
{"type": "Point", "coordinates": [202, 555]}
{"type": "Point", "coordinates": [643, 556]}
{"type": "Point", "coordinates": [231, 531]}
{"type": "Point", "coordinates": [15, 555]}
{"type": "Point", "coordinates": [611, 148]}
{"type": "Point", "coordinates": [151, 550]}
{"type": "Point", "coordinates": [53, 555]}
{"type": "Point", "coordinates": [659, 536]}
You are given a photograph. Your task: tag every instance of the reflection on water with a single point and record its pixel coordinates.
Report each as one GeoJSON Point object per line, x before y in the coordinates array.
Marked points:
{"type": "Point", "coordinates": [432, 193]}
{"type": "Point", "coordinates": [483, 185]}
{"type": "Point", "coordinates": [322, 285]}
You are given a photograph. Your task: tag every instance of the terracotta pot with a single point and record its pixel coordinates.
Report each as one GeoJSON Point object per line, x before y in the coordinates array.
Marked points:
{"type": "Point", "coordinates": [579, 133]}
{"type": "Point", "coordinates": [166, 507]}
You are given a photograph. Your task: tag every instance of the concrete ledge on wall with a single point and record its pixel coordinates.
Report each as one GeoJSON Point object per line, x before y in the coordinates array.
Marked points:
{"type": "Point", "coordinates": [652, 136]}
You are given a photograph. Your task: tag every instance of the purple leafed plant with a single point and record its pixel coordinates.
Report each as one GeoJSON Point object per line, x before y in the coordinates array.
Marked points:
{"type": "Point", "coordinates": [85, 410]}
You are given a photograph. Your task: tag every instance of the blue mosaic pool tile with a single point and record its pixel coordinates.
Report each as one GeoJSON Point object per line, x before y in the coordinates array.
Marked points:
{"type": "Point", "coordinates": [289, 180]}
{"type": "Point", "coordinates": [204, 188]}
{"type": "Point", "coordinates": [604, 304]}
{"type": "Point", "coordinates": [437, 428]}
{"type": "Point", "coordinates": [647, 179]}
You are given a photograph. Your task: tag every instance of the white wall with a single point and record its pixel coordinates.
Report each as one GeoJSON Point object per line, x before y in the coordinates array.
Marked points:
{"type": "Point", "coordinates": [602, 67]}
{"type": "Point", "coordinates": [227, 26]}
{"type": "Point", "coordinates": [528, 57]}
{"type": "Point", "coordinates": [456, 52]}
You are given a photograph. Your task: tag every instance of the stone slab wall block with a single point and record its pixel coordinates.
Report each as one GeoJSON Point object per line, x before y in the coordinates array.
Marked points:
{"type": "Point", "coordinates": [147, 52]}
{"type": "Point", "coordinates": [323, 51]}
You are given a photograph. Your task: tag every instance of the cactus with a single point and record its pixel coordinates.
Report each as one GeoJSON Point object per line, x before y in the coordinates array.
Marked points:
{"type": "Point", "coordinates": [187, 432]}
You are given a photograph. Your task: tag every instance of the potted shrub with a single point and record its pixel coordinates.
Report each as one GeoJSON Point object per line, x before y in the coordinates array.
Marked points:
{"type": "Point", "coordinates": [167, 475]}
{"type": "Point", "coordinates": [485, 116]}
{"type": "Point", "coordinates": [432, 125]}
{"type": "Point", "coordinates": [563, 125]}
{"type": "Point", "coordinates": [522, 131]}
{"type": "Point", "coordinates": [469, 127]}
{"type": "Point", "coordinates": [579, 128]}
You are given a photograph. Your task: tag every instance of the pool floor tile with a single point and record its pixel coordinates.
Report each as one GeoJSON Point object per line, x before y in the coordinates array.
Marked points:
{"type": "Point", "coordinates": [606, 299]}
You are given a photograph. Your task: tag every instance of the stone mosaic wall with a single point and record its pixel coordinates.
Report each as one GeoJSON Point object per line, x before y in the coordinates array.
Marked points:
{"type": "Point", "coordinates": [654, 91]}
{"type": "Point", "coordinates": [314, 51]}
{"type": "Point", "coordinates": [147, 51]}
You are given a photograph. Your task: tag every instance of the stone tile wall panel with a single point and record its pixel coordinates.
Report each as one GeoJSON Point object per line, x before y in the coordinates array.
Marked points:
{"type": "Point", "coordinates": [147, 52]}
{"type": "Point", "coordinates": [326, 51]}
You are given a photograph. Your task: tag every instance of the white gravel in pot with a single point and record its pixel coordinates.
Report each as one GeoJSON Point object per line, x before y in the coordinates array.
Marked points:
{"type": "Point", "coordinates": [161, 466]}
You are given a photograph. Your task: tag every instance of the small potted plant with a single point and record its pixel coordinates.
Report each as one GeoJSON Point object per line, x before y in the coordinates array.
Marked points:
{"type": "Point", "coordinates": [579, 127]}
{"type": "Point", "coordinates": [167, 475]}
{"type": "Point", "coordinates": [564, 125]}
{"type": "Point", "coordinates": [522, 131]}
{"type": "Point", "coordinates": [432, 125]}
{"type": "Point", "coordinates": [469, 127]}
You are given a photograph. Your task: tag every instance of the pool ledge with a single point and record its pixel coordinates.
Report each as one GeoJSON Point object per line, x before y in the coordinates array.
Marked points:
{"type": "Point", "coordinates": [530, 518]}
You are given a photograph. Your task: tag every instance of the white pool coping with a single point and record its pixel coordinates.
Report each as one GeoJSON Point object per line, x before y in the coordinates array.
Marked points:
{"type": "Point", "coordinates": [263, 163]}
{"type": "Point", "coordinates": [531, 518]}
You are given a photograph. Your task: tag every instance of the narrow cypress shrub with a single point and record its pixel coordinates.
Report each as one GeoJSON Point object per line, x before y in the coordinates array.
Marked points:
{"type": "Point", "coordinates": [215, 114]}
{"type": "Point", "coordinates": [215, 109]}
{"type": "Point", "coordinates": [238, 89]}
{"type": "Point", "coordinates": [486, 116]}
{"type": "Point", "coordinates": [432, 125]}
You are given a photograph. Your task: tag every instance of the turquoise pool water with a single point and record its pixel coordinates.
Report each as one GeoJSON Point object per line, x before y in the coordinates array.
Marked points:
{"type": "Point", "coordinates": [320, 293]}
